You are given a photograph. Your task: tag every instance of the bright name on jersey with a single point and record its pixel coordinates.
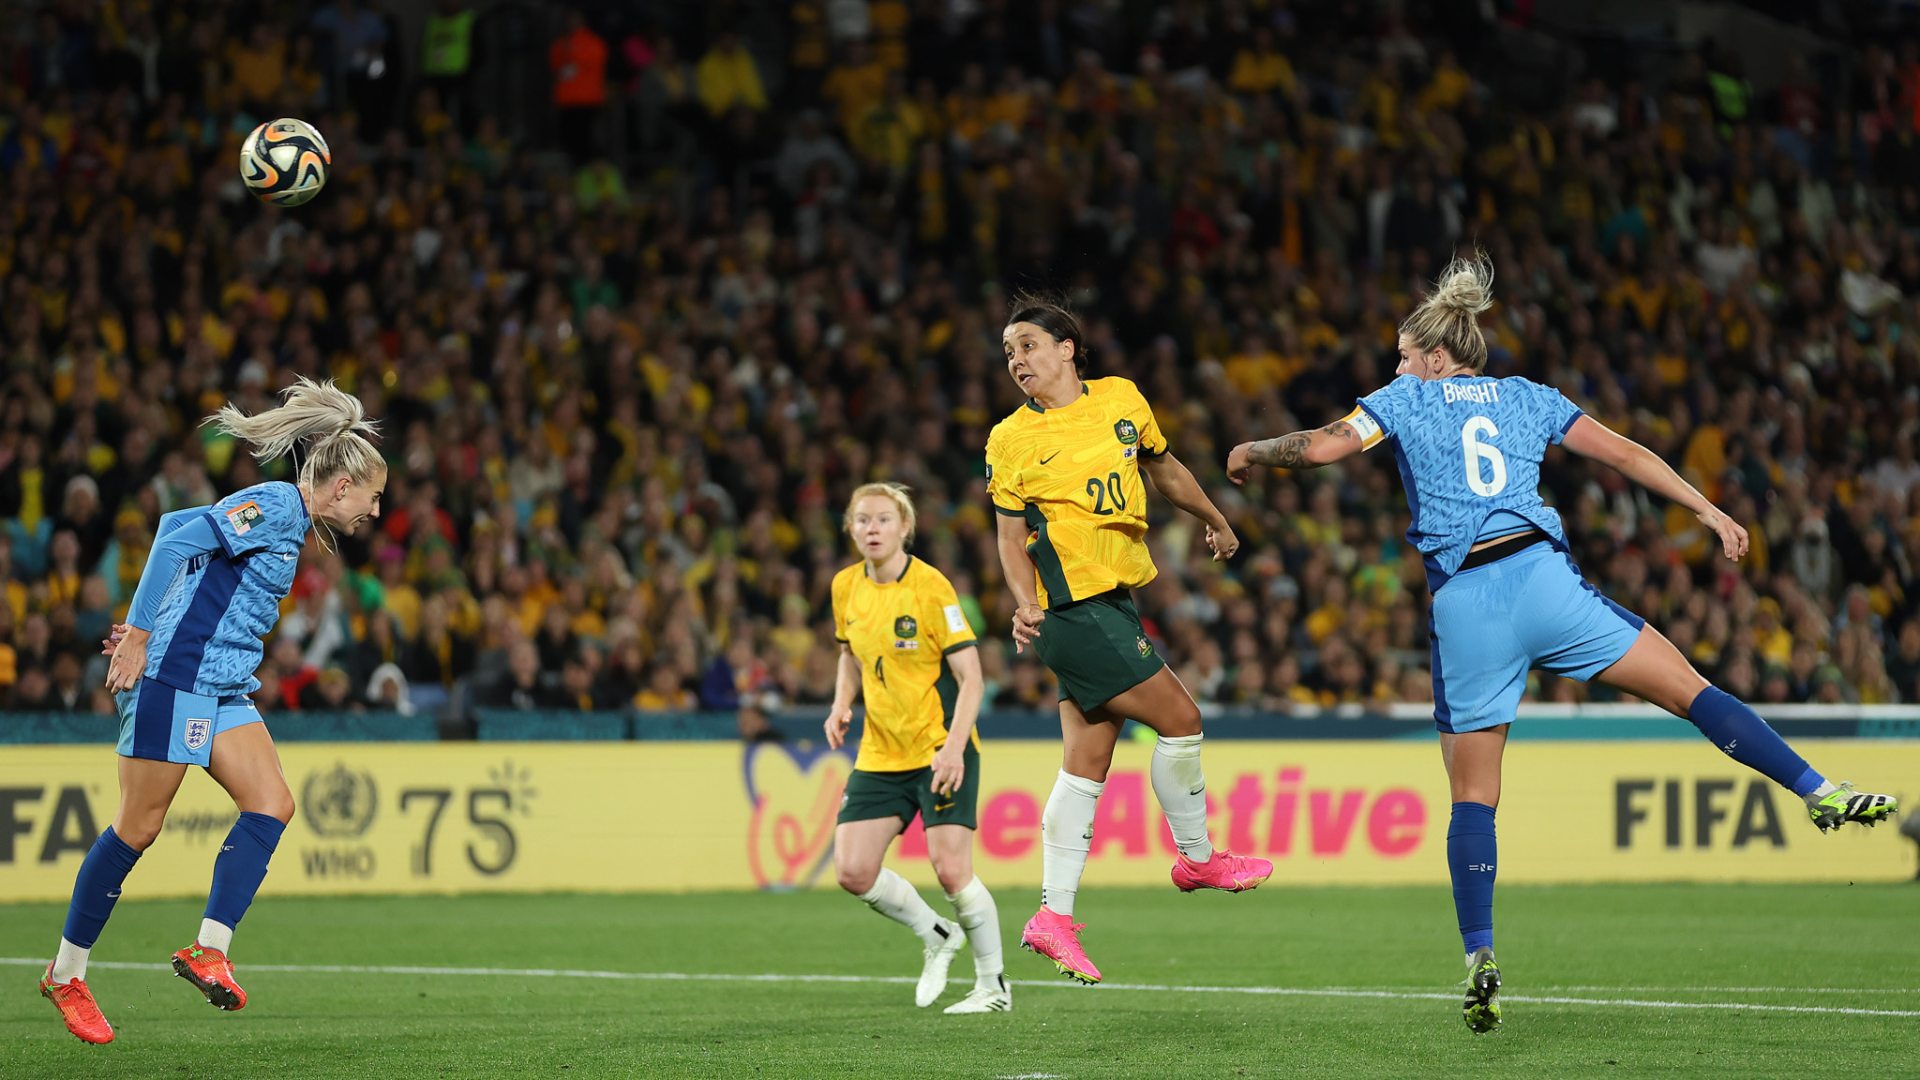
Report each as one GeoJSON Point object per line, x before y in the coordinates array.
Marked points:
{"type": "Point", "coordinates": [1476, 393]}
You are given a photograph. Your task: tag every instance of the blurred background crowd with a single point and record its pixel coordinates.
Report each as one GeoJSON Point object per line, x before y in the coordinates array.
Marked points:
{"type": "Point", "coordinates": [637, 311]}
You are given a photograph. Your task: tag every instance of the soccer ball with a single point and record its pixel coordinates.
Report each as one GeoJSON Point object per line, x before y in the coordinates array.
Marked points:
{"type": "Point", "coordinates": [284, 162]}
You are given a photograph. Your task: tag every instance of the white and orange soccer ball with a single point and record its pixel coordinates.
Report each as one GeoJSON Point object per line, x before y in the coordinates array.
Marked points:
{"type": "Point", "coordinates": [285, 162]}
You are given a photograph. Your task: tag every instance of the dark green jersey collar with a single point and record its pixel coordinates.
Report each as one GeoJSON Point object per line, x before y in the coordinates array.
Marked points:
{"type": "Point", "coordinates": [1084, 391]}
{"type": "Point", "coordinates": [867, 569]}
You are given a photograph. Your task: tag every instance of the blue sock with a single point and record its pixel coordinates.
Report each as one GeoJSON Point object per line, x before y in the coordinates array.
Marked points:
{"type": "Point", "coordinates": [1470, 857]}
{"type": "Point", "coordinates": [242, 865]}
{"type": "Point", "coordinates": [96, 887]}
{"type": "Point", "coordinates": [1740, 733]}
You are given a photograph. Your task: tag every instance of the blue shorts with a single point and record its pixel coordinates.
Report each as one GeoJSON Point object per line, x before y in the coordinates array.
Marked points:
{"type": "Point", "coordinates": [160, 723]}
{"type": "Point", "coordinates": [1494, 623]}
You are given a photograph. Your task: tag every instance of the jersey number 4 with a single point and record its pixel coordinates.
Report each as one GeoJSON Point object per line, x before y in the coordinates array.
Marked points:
{"type": "Point", "coordinates": [1478, 454]}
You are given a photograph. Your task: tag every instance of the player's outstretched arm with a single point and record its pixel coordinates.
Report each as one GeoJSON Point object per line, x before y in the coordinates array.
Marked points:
{"type": "Point", "coordinates": [1174, 480]}
{"type": "Point", "coordinates": [1300, 450]}
{"type": "Point", "coordinates": [1592, 439]}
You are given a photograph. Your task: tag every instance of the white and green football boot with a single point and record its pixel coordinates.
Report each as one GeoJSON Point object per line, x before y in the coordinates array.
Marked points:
{"type": "Point", "coordinates": [1481, 1010]}
{"type": "Point", "coordinates": [1843, 804]}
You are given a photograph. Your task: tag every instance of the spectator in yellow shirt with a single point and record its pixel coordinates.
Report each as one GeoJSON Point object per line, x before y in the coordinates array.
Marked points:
{"type": "Point", "coordinates": [1260, 68]}
{"type": "Point", "coordinates": [1256, 368]}
{"type": "Point", "coordinates": [665, 690]}
{"type": "Point", "coordinates": [854, 84]}
{"type": "Point", "coordinates": [728, 78]}
{"type": "Point", "coordinates": [259, 69]}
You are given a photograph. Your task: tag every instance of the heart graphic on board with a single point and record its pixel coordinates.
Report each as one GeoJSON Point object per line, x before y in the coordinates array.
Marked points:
{"type": "Point", "coordinates": [795, 796]}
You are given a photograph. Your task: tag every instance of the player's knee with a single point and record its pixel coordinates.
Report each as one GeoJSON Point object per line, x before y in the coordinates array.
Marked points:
{"type": "Point", "coordinates": [954, 873]}
{"type": "Point", "coordinates": [1484, 794]}
{"type": "Point", "coordinates": [1680, 697]}
{"type": "Point", "coordinates": [277, 804]}
{"type": "Point", "coordinates": [1184, 722]}
{"type": "Point", "coordinates": [1089, 769]}
{"type": "Point", "coordinates": [139, 831]}
{"type": "Point", "coordinates": [857, 880]}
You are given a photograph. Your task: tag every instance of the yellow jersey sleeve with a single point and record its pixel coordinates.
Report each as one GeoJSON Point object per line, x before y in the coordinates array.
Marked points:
{"type": "Point", "coordinates": [842, 585]}
{"type": "Point", "coordinates": [1003, 474]}
{"type": "Point", "coordinates": [1153, 441]}
{"type": "Point", "coordinates": [941, 604]}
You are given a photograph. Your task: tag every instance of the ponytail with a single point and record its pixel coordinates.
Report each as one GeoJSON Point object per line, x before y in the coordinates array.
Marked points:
{"type": "Point", "coordinates": [320, 418]}
{"type": "Point", "coordinates": [1450, 314]}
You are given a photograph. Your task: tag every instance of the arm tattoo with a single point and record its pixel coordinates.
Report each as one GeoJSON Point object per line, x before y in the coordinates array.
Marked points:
{"type": "Point", "coordinates": [1285, 452]}
{"type": "Point", "coordinates": [1290, 451]}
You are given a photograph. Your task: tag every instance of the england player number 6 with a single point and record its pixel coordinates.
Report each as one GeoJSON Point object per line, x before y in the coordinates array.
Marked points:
{"type": "Point", "coordinates": [1476, 451]}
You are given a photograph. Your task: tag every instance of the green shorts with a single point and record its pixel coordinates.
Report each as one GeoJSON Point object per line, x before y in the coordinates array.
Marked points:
{"type": "Point", "coordinates": [903, 794]}
{"type": "Point", "coordinates": [1097, 649]}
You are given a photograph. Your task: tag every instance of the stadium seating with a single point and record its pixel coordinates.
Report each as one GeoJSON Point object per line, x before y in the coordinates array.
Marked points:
{"type": "Point", "coordinates": [624, 392]}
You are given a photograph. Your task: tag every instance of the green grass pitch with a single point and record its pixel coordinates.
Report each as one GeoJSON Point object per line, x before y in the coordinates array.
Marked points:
{"type": "Point", "coordinates": [1630, 980]}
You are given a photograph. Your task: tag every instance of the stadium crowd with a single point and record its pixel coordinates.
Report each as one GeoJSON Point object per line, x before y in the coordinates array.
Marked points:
{"type": "Point", "coordinates": [623, 406]}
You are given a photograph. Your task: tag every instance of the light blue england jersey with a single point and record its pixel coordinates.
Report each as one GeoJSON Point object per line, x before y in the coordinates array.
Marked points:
{"type": "Point", "coordinates": [221, 603]}
{"type": "Point", "coordinates": [1469, 449]}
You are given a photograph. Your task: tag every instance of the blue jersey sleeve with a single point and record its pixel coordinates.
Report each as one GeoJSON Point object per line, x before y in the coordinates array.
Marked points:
{"type": "Point", "coordinates": [259, 518]}
{"type": "Point", "coordinates": [1560, 413]}
{"type": "Point", "coordinates": [184, 535]}
{"type": "Point", "coordinates": [177, 518]}
{"type": "Point", "coordinates": [1391, 405]}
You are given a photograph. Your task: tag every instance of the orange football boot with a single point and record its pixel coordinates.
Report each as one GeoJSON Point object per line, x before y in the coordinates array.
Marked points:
{"type": "Point", "coordinates": [77, 1008]}
{"type": "Point", "coordinates": [211, 973]}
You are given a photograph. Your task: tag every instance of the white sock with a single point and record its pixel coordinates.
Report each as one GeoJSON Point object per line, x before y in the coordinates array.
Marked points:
{"type": "Point", "coordinates": [893, 897]}
{"type": "Point", "coordinates": [974, 908]}
{"type": "Point", "coordinates": [1826, 788]}
{"type": "Point", "coordinates": [1066, 833]}
{"type": "Point", "coordinates": [214, 935]}
{"type": "Point", "coordinates": [70, 963]}
{"type": "Point", "coordinates": [1182, 790]}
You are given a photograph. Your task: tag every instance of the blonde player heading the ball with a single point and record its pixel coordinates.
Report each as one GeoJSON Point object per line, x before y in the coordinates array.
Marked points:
{"type": "Point", "coordinates": [183, 669]}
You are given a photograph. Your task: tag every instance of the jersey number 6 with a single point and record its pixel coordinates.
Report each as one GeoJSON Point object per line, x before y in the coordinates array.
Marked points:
{"type": "Point", "coordinates": [1101, 492]}
{"type": "Point", "coordinates": [1476, 452]}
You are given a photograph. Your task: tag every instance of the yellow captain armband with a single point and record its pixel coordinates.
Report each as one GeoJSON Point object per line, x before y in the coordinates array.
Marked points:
{"type": "Point", "coordinates": [1364, 426]}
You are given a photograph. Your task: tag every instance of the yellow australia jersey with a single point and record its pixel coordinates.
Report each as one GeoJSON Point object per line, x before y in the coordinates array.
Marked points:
{"type": "Point", "coordinates": [902, 632]}
{"type": "Point", "coordinates": [1074, 474]}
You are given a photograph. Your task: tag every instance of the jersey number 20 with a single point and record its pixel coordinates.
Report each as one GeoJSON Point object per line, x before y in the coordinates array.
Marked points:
{"type": "Point", "coordinates": [1103, 492]}
{"type": "Point", "coordinates": [1476, 452]}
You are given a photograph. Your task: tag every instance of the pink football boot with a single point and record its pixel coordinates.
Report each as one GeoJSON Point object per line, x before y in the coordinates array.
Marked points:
{"type": "Point", "coordinates": [1057, 937]}
{"type": "Point", "coordinates": [1225, 871]}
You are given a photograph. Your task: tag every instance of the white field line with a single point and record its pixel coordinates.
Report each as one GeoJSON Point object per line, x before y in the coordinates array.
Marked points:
{"type": "Point", "coordinates": [1743, 989]}
{"type": "Point", "coordinates": [1148, 988]}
